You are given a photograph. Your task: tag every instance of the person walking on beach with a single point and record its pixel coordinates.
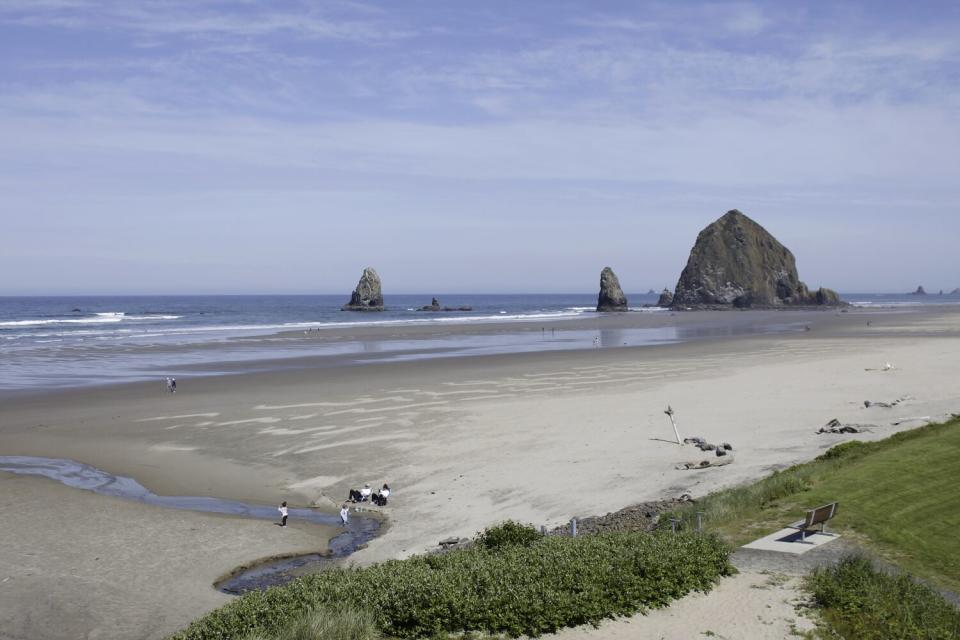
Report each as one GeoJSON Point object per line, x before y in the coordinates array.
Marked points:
{"type": "Point", "coordinates": [344, 514]}
{"type": "Point", "coordinates": [169, 384]}
{"type": "Point", "coordinates": [173, 385]}
{"type": "Point", "coordinates": [283, 513]}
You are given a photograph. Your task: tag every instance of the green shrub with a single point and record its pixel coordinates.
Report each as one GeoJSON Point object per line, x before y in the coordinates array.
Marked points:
{"type": "Point", "coordinates": [508, 533]}
{"type": "Point", "coordinates": [515, 589]}
{"type": "Point", "coordinates": [325, 623]}
{"type": "Point", "coordinates": [851, 449]}
{"type": "Point", "coordinates": [862, 603]}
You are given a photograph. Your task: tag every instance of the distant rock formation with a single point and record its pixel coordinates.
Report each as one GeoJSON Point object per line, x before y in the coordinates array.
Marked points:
{"type": "Point", "coordinates": [435, 306]}
{"type": "Point", "coordinates": [955, 292]}
{"type": "Point", "coordinates": [368, 295]}
{"type": "Point", "coordinates": [919, 292]}
{"type": "Point", "coordinates": [611, 296]}
{"type": "Point", "coordinates": [737, 262]}
{"type": "Point", "coordinates": [651, 292]}
{"type": "Point", "coordinates": [665, 299]}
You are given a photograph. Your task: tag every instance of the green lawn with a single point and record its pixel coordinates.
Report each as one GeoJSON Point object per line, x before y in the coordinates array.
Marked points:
{"type": "Point", "coordinates": [899, 496]}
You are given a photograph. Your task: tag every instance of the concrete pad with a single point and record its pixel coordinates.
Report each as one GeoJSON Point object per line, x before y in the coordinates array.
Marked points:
{"type": "Point", "coordinates": [789, 541]}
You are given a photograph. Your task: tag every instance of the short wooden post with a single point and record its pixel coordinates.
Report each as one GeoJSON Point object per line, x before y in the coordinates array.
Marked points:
{"type": "Point", "coordinates": [699, 521]}
{"type": "Point", "coordinates": [676, 431]}
{"type": "Point", "coordinates": [543, 529]}
{"type": "Point", "coordinates": [673, 524]}
{"type": "Point", "coordinates": [573, 528]}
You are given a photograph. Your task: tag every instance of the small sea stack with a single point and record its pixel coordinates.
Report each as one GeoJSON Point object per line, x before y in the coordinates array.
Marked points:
{"type": "Point", "coordinates": [919, 292]}
{"type": "Point", "coordinates": [737, 263]}
{"type": "Point", "coordinates": [665, 299]}
{"type": "Point", "coordinates": [611, 296]}
{"type": "Point", "coordinates": [368, 295]}
{"type": "Point", "coordinates": [435, 306]}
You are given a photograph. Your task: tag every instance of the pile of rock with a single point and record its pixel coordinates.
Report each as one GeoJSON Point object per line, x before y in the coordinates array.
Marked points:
{"type": "Point", "coordinates": [835, 426]}
{"type": "Point", "coordinates": [721, 449]}
{"type": "Point", "coordinates": [639, 517]}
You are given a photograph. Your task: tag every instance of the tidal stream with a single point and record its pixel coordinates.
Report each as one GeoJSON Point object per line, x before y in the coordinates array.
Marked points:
{"type": "Point", "coordinates": [358, 532]}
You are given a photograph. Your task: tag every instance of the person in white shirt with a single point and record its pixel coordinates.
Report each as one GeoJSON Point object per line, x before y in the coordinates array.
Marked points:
{"type": "Point", "coordinates": [344, 514]}
{"type": "Point", "coordinates": [381, 498]}
{"type": "Point", "coordinates": [283, 513]}
{"type": "Point", "coordinates": [365, 492]}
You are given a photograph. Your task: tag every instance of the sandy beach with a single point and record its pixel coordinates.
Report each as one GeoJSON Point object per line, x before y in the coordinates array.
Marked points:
{"type": "Point", "coordinates": [463, 441]}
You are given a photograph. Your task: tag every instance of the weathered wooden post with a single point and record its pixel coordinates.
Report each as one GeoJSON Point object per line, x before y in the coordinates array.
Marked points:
{"type": "Point", "coordinates": [673, 524]}
{"type": "Point", "coordinates": [573, 528]}
{"type": "Point", "coordinates": [543, 529]}
{"type": "Point", "coordinates": [699, 521]}
{"type": "Point", "coordinates": [676, 431]}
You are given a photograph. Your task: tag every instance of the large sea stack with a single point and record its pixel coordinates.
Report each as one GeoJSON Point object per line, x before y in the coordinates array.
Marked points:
{"type": "Point", "coordinates": [736, 262]}
{"type": "Point", "coordinates": [611, 296]}
{"type": "Point", "coordinates": [367, 296]}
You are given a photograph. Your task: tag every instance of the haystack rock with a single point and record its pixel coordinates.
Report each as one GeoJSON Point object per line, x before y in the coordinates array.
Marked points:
{"type": "Point", "coordinates": [367, 296]}
{"type": "Point", "coordinates": [919, 292]}
{"type": "Point", "coordinates": [736, 262]}
{"type": "Point", "coordinates": [611, 296]}
{"type": "Point", "coordinates": [665, 299]}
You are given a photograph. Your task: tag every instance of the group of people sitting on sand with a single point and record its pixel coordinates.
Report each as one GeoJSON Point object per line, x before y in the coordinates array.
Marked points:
{"type": "Point", "coordinates": [367, 495]}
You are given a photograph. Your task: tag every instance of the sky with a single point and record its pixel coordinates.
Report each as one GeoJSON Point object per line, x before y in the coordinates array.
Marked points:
{"type": "Point", "coordinates": [280, 147]}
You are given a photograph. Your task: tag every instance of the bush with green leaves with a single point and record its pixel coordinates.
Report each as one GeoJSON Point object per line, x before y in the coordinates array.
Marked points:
{"type": "Point", "coordinates": [325, 623]}
{"type": "Point", "coordinates": [862, 603]}
{"type": "Point", "coordinates": [515, 589]}
{"type": "Point", "coordinates": [508, 533]}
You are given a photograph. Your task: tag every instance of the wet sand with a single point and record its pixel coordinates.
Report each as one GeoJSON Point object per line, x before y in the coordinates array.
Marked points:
{"type": "Point", "coordinates": [468, 441]}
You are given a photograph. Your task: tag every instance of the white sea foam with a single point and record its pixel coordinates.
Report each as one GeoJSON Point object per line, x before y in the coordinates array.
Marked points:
{"type": "Point", "coordinates": [98, 318]}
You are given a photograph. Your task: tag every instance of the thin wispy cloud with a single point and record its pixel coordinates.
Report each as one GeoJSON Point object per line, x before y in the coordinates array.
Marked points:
{"type": "Point", "coordinates": [517, 113]}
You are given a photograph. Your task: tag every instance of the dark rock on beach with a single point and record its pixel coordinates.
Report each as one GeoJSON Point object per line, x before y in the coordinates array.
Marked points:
{"type": "Point", "coordinates": [638, 517]}
{"type": "Point", "coordinates": [368, 295]}
{"type": "Point", "coordinates": [737, 263]}
{"type": "Point", "coordinates": [611, 296]}
{"type": "Point", "coordinates": [665, 299]}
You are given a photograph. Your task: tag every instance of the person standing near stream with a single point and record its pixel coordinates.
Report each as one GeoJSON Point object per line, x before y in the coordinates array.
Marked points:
{"type": "Point", "coordinates": [283, 513]}
{"type": "Point", "coordinates": [344, 514]}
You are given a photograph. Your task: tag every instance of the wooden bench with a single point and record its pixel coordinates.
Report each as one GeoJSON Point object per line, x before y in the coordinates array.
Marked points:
{"type": "Point", "coordinates": [818, 516]}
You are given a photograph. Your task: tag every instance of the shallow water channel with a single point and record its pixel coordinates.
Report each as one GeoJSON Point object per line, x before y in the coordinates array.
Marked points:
{"type": "Point", "coordinates": [74, 474]}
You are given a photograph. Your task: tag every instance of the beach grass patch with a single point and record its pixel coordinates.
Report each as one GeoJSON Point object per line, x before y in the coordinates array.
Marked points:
{"type": "Point", "coordinates": [897, 495]}
{"type": "Point", "coordinates": [860, 603]}
{"type": "Point", "coordinates": [550, 583]}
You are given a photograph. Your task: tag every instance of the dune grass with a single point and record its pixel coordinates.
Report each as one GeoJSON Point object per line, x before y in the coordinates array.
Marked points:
{"type": "Point", "coordinates": [861, 603]}
{"type": "Point", "coordinates": [897, 495]}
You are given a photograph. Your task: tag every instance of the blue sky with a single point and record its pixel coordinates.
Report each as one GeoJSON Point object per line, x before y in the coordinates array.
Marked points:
{"type": "Point", "coordinates": [231, 147]}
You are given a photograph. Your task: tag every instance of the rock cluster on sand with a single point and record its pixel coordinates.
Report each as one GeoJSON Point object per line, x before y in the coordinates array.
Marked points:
{"type": "Point", "coordinates": [919, 292]}
{"type": "Point", "coordinates": [611, 296]}
{"type": "Point", "coordinates": [665, 299]}
{"type": "Point", "coordinates": [367, 296]}
{"type": "Point", "coordinates": [737, 262]}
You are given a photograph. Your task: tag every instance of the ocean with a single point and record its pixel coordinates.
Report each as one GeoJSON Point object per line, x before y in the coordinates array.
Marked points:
{"type": "Point", "coordinates": [75, 341]}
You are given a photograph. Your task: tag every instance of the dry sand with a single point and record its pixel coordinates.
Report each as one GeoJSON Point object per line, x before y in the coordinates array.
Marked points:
{"type": "Point", "coordinates": [465, 442]}
{"type": "Point", "coordinates": [74, 564]}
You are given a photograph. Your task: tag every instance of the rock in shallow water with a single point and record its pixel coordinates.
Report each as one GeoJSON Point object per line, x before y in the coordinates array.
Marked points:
{"type": "Point", "coordinates": [368, 295]}
{"type": "Point", "coordinates": [611, 296]}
